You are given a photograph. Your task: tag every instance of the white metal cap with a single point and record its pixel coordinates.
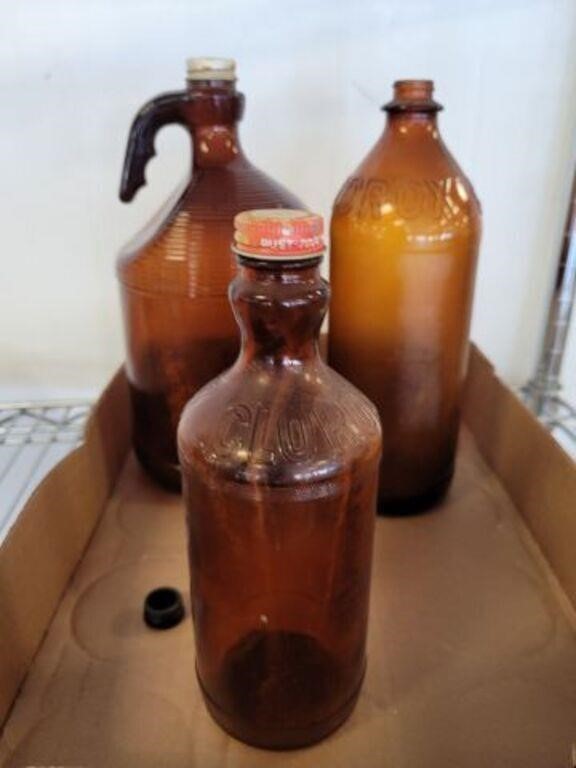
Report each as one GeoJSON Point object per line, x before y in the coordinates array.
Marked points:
{"type": "Point", "coordinates": [207, 68]}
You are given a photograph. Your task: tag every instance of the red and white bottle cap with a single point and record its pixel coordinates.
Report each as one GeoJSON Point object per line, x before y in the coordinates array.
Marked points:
{"type": "Point", "coordinates": [279, 234]}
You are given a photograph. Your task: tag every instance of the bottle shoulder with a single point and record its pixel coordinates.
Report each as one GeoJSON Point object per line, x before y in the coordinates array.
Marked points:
{"type": "Point", "coordinates": [279, 427]}
{"type": "Point", "coordinates": [196, 223]}
{"type": "Point", "coordinates": [416, 183]}
{"type": "Point", "coordinates": [421, 213]}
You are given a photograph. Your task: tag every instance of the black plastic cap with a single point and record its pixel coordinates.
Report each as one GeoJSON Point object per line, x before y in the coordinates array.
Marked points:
{"type": "Point", "coordinates": [163, 608]}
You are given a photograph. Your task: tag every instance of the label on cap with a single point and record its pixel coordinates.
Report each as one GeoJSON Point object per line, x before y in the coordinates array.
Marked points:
{"type": "Point", "coordinates": [279, 234]}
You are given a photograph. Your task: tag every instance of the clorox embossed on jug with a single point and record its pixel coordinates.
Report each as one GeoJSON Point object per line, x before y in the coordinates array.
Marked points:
{"type": "Point", "coordinates": [279, 458]}
{"type": "Point", "coordinates": [404, 242]}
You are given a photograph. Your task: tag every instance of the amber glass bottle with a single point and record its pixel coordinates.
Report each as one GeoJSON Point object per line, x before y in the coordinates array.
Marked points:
{"type": "Point", "coordinates": [280, 461]}
{"type": "Point", "coordinates": [404, 240]}
{"type": "Point", "coordinates": [174, 276]}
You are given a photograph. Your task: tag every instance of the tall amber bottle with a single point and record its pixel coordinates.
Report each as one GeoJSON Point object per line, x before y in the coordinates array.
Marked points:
{"type": "Point", "coordinates": [280, 466]}
{"type": "Point", "coordinates": [404, 240]}
{"type": "Point", "coordinates": [174, 276]}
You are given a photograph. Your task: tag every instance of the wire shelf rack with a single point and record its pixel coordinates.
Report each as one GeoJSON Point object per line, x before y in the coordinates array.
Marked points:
{"type": "Point", "coordinates": [560, 418]}
{"type": "Point", "coordinates": [553, 411]}
{"type": "Point", "coordinates": [34, 436]}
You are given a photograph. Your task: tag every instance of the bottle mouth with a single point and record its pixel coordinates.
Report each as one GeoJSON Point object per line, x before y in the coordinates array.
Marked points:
{"type": "Point", "coordinates": [279, 234]}
{"type": "Point", "coordinates": [413, 96]}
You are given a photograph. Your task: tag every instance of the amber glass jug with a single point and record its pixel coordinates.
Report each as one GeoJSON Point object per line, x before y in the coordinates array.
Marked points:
{"type": "Point", "coordinates": [404, 240]}
{"type": "Point", "coordinates": [280, 463]}
{"type": "Point", "coordinates": [174, 276]}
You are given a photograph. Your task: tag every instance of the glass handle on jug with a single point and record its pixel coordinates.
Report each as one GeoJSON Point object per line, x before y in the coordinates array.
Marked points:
{"type": "Point", "coordinates": [155, 114]}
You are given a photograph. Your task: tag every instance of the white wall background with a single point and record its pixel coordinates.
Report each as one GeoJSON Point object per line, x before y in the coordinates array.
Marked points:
{"type": "Point", "coordinates": [72, 75]}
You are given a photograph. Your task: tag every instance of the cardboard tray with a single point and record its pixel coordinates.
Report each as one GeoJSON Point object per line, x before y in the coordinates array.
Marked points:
{"type": "Point", "coordinates": [472, 643]}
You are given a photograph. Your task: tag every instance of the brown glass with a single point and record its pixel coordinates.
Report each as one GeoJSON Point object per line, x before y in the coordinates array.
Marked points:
{"type": "Point", "coordinates": [174, 275]}
{"type": "Point", "coordinates": [280, 460]}
{"type": "Point", "coordinates": [404, 239]}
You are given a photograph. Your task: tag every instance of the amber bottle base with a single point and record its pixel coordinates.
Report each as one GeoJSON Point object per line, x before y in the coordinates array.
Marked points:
{"type": "Point", "coordinates": [415, 505]}
{"type": "Point", "coordinates": [261, 686]}
{"type": "Point", "coordinates": [164, 474]}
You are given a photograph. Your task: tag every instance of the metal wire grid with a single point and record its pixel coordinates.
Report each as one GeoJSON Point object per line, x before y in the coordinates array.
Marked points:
{"type": "Point", "coordinates": [560, 418]}
{"type": "Point", "coordinates": [34, 436]}
{"type": "Point", "coordinates": [555, 413]}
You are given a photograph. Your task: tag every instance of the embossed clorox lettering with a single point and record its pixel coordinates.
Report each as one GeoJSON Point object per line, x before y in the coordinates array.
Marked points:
{"type": "Point", "coordinates": [409, 199]}
{"type": "Point", "coordinates": [265, 435]}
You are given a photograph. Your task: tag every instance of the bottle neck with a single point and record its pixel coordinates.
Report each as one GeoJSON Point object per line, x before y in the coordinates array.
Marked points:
{"type": "Point", "coordinates": [413, 124]}
{"type": "Point", "coordinates": [214, 109]}
{"type": "Point", "coordinates": [412, 111]}
{"type": "Point", "coordinates": [279, 307]}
